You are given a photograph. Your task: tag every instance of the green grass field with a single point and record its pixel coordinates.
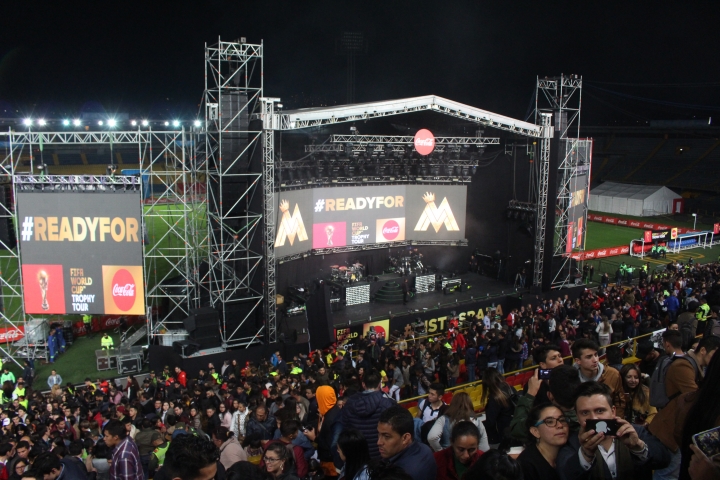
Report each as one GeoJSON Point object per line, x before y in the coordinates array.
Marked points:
{"type": "Point", "coordinates": [601, 235]}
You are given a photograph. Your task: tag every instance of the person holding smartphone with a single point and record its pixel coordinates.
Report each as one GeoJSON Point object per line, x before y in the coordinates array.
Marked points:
{"type": "Point", "coordinates": [617, 450]}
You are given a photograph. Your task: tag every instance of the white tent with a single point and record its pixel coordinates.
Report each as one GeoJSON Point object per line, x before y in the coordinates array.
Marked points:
{"type": "Point", "coordinates": [636, 200]}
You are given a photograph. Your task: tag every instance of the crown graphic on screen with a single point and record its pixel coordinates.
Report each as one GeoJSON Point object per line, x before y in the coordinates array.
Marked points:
{"type": "Point", "coordinates": [429, 197]}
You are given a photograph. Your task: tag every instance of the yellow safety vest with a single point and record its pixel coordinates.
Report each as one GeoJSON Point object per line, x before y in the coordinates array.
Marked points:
{"type": "Point", "coordinates": [160, 452]}
{"type": "Point", "coordinates": [106, 342]}
{"type": "Point", "coordinates": [703, 312]}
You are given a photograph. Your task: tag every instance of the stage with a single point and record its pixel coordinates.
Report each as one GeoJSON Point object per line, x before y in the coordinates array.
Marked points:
{"type": "Point", "coordinates": [480, 288]}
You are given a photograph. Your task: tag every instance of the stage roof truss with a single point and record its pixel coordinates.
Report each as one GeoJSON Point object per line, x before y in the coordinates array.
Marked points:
{"type": "Point", "coordinates": [313, 117]}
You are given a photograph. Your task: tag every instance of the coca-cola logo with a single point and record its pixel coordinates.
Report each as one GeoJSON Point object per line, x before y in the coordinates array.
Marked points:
{"type": "Point", "coordinates": [391, 230]}
{"type": "Point", "coordinates": [123, 290]}
{"type": "Point", "coordinates": [614, 251]}
{"type": "Point", "coordinates": [10, 335]}
{"type": "Point", "coordinates": [624, 249]}
{"type": "Point", "coordinates": [112, 322]}
{"type": "Point", "coordinates": [622, 222]}
{"type": "Point", "coordinates": [634, 224]}
{"type": "Point", "coordinates": [424, 142]}
{"type": "Point", "coordinates": [602, 253]}
{"type": "Point", "coordinates": [590, 255]}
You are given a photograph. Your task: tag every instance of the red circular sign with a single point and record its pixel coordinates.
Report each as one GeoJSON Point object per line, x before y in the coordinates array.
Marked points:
{"type": "Point", "coordinates": [390, 230]}
{"type": "Point", "coordinates": [123, 290]}
{"type": "Point", "coordinates": [424, 142]}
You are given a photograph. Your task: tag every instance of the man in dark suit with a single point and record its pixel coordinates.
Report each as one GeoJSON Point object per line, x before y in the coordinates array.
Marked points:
{"type": "Point", "coordinates": [632, 452]}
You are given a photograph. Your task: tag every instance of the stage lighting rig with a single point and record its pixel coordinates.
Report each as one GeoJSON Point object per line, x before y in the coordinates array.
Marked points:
{"type": "Point", "coordinates": [76, 122]}
{"type": "Point", "coordinates": [112, 123]}
{"type": "Point", "coordinates": [66, 122]}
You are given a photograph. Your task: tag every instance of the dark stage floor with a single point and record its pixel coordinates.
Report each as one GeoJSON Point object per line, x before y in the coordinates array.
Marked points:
{"type": "Point", "coordinates": [480, 288]}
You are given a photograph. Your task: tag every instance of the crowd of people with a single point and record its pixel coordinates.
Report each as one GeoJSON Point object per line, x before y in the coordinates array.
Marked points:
{"type": "Point", "coordinates": [344, 412]}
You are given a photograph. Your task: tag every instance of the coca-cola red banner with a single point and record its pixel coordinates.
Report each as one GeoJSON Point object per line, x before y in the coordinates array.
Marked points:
{"type": "Point", "coordinates": [636, 223]}
{"type": "Point", "coordinates": [106, 322]}
{"type": "Point", "coordinates": [601, 253]}
{"type": "Point", "coordinates": [11, 334]}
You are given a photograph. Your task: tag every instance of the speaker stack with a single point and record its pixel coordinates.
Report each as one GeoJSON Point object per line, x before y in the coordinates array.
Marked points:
{"type": "Point", "coordinates": [203, 326]}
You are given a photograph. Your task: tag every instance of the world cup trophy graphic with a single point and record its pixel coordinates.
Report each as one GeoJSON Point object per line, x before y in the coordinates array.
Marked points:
{"type": "Point", "coordinates": [42, 277]}
{"type": "Point", "coordinates": [329, 230]}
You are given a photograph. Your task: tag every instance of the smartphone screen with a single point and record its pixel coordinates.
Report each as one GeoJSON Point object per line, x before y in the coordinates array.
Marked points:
{"type": "Point", "coordinates": [708, 441]}
{"type": "Point", "coordinates": [544, 374]}
{"type": "Point", "coordinates": [608, 427]}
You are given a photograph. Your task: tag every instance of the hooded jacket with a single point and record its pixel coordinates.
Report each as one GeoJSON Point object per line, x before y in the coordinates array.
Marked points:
{"type": "Point", "coordinates": [362, 411]}
{"type": "Point", "coordinates": [330, 426]}
{"type": "Point", "coordinates": [611, 378]}
{"type": "Point", "coordinates": [265, 429]}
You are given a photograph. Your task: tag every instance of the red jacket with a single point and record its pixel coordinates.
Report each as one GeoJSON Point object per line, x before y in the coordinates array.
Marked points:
{"type": "Point", "coordinates": [182, 378]}
{"type": "Point", "coordinates": [446, 464]}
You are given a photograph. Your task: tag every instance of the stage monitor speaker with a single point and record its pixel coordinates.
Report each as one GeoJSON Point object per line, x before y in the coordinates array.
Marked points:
{"type": "Point", "coordinates": [189, 323]}
{"type": "Point", "coordinates": [203, 325]}
{"type": "Point", "coordinates": [186, 347]}
{"type": "Point", "coordinates": [295, 330]}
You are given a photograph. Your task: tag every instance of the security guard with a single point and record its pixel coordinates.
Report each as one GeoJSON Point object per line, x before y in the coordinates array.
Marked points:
{"type": "Point", "coordinates": [106, 342]}
{"type": "Point", "coordinates": [87, 323]}
{"type": "Point", "coordinates": [702, 314]}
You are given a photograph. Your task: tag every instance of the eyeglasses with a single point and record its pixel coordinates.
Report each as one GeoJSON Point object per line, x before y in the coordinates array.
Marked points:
{"type": "Point", "coordinates": [270, 459]}
{"type": "Point", "coordinates": [552, 421]}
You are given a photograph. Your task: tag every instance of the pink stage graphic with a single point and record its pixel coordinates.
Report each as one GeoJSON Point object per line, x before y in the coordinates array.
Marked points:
{"type": "Point", "coordinates": [329, 235]}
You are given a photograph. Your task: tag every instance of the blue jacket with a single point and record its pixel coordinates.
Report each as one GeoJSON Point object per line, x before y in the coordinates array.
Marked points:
{"type": "Point", "coordinates": [362, 411]}
{"type": "Point", "coordinates": [673, 304]}
{"type": "Point", "coordinates": [418, 461]}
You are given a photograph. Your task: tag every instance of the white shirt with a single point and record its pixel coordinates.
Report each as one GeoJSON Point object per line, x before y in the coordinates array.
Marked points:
{"type": "Point", "coordinates": [609, 458]}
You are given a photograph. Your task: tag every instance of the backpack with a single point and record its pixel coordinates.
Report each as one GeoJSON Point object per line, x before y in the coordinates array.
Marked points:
{"type": "Point", "coordinates": [714, 329]}
{"type": "Point", "coordinates": [658, 393]}
{"type": "Point", "coordinates": [425, 428]}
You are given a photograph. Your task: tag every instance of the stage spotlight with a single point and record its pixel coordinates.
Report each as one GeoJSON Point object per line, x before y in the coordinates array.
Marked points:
{"type": "Point", "coordinates": [27, 122]}
{"type": "Point", "coordinates": [66, 122]}
{"type": "Point", "coordinates": [145, 123]}
{"type": "Point", "coordinates": [112, 123]}
{"type": "Point", "coordinates": [176, 123]}
{"type": "Point", "coordinates": [100, 122]}
{"type": "Point", "coordinates": [42, 122]}
{"type": "Point", "coordinates": [197, 123]}
{"type": "Point", "coordinates": [133, 123]}
{"type": "Point", "coordinates": [76, 122]}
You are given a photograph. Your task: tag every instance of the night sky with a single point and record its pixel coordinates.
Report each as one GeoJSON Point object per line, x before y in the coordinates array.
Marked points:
{"type": "Point", "coordinates": [640, 60]}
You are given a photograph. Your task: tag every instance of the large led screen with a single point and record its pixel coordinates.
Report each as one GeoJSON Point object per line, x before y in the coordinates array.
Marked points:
{"type": "Point", "coordinates": [342, 216]}
{"type": "Point", "coordinates": [81, 252]}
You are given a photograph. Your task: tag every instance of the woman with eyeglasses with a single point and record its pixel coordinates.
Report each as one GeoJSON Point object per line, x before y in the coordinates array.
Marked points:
{"type": "Point", "coordinates": [18, 469]}
{"type": "Point", "coordinates": [549, 432]}
{"type": "Point", "coordinates": [279, 462]}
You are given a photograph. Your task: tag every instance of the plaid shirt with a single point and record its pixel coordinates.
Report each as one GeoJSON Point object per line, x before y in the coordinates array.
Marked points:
{"type": "Point", "coordinates": [126, 462]}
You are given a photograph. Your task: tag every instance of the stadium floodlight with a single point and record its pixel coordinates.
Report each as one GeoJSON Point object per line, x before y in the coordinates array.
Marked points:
{"type": "Point", "coordinates": [145, 123]}
{"type": "Point", "coordinates": [66, 122]}
{"type": "Point", "coordinates": [133, 123]}
{"type": "Point", "coordinates": [42, 122]}
{"type": "Point", "coordinates": [167, 124]}
{"type": "Point", "coordinates": [76, 122]}
{"type": "Point", "coordinates": [112, 122]}
{"type": "Point", "coordinates": [100, 122]}
{"type": "Point", "coordinates": [176, 123]}
{"type": "Point", "coordinates": [27, 122]}
{"type": "Point", "coordinates": [197, 123]}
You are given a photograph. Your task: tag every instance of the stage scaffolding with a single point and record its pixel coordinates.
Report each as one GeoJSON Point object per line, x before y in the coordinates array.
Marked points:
{"type": "Point", "coordinates": [562, 98]}
{"type": "Point", "coordinates": [237, 281]}
{"type": "Point", "coordinates": [172, 214]}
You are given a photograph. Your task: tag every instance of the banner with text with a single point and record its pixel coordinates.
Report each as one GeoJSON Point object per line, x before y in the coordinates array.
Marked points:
{"type": "Point", "coordinates": [81, 252]}
{"type": "Point", "coordinates": [332, 217]}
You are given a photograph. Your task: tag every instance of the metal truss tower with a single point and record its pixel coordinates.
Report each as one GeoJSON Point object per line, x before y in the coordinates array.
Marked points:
{"type": "Point", "coordinates": [170, 218]}
{"type": "Point", "coordinates": [562, 97]}
{"type": "Point", "coordinates": [234, 278]}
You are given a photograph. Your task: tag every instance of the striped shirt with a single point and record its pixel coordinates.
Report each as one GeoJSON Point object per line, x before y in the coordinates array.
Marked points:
{"type": "Point", "coordinates": [126, 462]}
